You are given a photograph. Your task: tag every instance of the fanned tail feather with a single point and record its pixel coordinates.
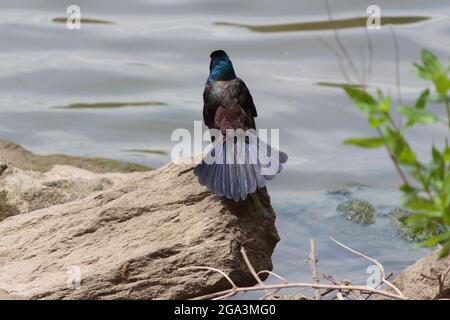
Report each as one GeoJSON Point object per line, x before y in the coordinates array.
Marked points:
{"type": "Point", "coordinates": [237, 180]}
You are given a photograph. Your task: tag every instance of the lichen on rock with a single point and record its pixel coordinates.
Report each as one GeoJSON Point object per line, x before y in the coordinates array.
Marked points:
{"type": "Point", "coordinates": [358, 210]}
{"type": "Point", "coordinates": [6, 209]}
{"type": "Point", "coordinates": [3, 167]}
{"type": "Point", "coordinates": [398, 217]}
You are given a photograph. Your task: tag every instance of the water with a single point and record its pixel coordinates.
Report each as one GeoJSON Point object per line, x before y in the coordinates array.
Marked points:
{"type": "Point", "coordinates": [135, 72]}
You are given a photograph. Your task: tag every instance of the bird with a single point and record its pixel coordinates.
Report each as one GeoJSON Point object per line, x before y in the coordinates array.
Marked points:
{"type": "Point", "coordinates": [228, 107]}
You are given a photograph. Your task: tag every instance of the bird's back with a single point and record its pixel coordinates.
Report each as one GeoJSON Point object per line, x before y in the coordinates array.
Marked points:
{"type": "Point", "coordinates": [229, 105]}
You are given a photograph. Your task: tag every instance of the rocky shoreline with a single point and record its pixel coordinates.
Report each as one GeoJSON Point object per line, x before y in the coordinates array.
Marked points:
{"type": "Point", "coordinates": [127, 230]}
{"type": "Point", "coordinates": [122, 235]}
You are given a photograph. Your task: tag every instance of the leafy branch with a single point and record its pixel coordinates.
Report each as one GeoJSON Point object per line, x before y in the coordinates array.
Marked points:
{"type": "Point", "coordinates": [428, 193]}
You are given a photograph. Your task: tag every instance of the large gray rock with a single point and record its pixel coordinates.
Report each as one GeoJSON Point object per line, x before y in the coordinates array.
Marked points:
{"type": "Point", "coordinates": [415, 282]}
{"type": "Point", "coordinates": [32, 190]}
{"type": "Point", "coordinates": [5, 295]}
{"type": "Point", "coordinates": [130, 241]}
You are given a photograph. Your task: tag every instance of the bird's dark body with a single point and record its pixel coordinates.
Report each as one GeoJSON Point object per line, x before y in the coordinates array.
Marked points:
{"type": "Point", "coordinates": [228, 104]}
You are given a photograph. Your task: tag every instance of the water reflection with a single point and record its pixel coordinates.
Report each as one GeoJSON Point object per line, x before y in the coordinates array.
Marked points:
{"type": "Point", "coordinates": [82, 20]}
{"type": "Point", "coordinates": [324, 25]}
{"type": "Point", "coordinates": [112, 105]}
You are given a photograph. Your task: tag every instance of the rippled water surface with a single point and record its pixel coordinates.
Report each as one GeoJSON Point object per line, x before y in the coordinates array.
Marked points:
{"type": "Point", "coordinates": [135, 71]}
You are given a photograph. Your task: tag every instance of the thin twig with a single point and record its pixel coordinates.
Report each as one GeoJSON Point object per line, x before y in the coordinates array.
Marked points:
{"type": "Point", "coordinates": [378, 285]}
{"type": "Point", "coordinates": [374, 261]}
{"type": "Point", "coordinates": [370, 47]}
{"type": "Point", "coordinates": [362, 289]}
{"type": "Point", "coordinates": [397, 69]}
{"type": "Point", "coordinates": [397, 64]}
{"type": "Point", "coordinates": [252, 270]}
{"type": "Point", "coordinates": [233, 285]}
{"type": "Point", "coordinates": [273, 274]}
{"type": "Point", "coordinates": [276, 276]}
{"type": "Point", "coordinates": [363, 67]}
{"type": "Point", "coordinates": [340, 44]}
{"type": "Point", "coordinates": [394, 160]}
{"type": "Point", "coordinates": [313, 263]}
{"type": "Point", "coordinates": [344, 283]}
{"type": "Point", "coordinates": [338, 57]}
{"type": "Point", "coordinates": [344, 288]}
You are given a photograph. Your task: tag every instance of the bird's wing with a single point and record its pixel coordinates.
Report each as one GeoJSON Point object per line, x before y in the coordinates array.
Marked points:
{"type": "Point", "coordinates": [248, 104]}
{"type": "Point", "coordinates": [209, 107]}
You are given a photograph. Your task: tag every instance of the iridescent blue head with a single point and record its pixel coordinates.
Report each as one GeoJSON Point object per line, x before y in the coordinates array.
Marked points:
{"type": "Point", "coordinates": [220, 67]}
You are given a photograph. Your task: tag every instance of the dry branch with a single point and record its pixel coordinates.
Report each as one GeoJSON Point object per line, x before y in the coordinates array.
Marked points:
{"type": "Point", "coordinates": [343, 289]}
{"type": "Point", "coordinates": [313, 263]}
{"type": "Point", "coordinates": [374, 261]}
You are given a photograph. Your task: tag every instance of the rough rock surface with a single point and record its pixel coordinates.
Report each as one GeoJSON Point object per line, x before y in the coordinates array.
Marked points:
{"type": "Point", "coordinates": [31, 190]}
{"type": "Point", "coordinates": [11, 153]}
{"type": "Point", "coordinates": [5, 295]}
{"type": "Point", "coordinates": [414, 285]}
{"type": "Point", "coordinates": [3, 167]}
{"type": "Point", "coordinates": [130, 241]}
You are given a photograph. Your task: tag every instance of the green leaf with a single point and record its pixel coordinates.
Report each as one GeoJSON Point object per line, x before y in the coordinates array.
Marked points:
{"type": "Point", "coordinates": [407, 156]}
{"type": "Point", "coordinates": [437, 157]}
{"type": "Point", "coordinates": [446, 185]}
{"type": "Point", "coordinates": [445, 250]}
{"type": "Point", "coordinates": [436, 168]}
{"type": "Point", "coordinates": [419, 204]}
{"type": "Point", "coordinates": [422, 72]}
{"type": "Point", "coordinates": [434, 240]}
{"type": "Point", "coordinates": [369, 142]}
{"type": "Point", "coordinates": [422, 101]}
{"type": "Point", "coordinates": [399, 147]}
{"type": "Point", "coordinates": [417, 222]}
{"type": "Point", "coordinates": [446, 154]}
{"type": "Point", "coordinates": [417, 115]}
{"type": "Point", "coordinates": [361, 99]}
{"type": "Point", "coordinates": [431, 62]}
{"type": "Point", "coordinates": [385, 104]}
{"type": "Point", "coordinates": [405, 188]}
{"type": "Point", "coordinates": [442, 84]}
{"type": "Point", "coordinates": [375, 122]}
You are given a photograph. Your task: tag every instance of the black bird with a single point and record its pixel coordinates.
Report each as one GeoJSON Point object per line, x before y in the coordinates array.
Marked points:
{"type": "Point", "coordinates": [228, 105]}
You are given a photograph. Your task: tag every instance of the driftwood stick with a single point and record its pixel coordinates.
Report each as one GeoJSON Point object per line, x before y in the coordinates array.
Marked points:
{"type": "Point", "coordinates": [362, 289]}
{"type": "Point", "coordinates": [387, 278]}
{"type": "Point", "coordinates": [233, 285]}
{"type": "Point", "coordinates": [252, 270]}
{"type": "Point", "coordinates": [343, 288]}
{"type": "Point", "coordinates": [313, 263]}
{"type": "Point", "coordinates": [276, 276]}
{"type": "Point", "coordinates": [374, 261]}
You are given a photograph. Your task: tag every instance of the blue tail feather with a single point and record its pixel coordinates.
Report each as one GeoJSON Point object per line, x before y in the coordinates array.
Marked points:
{"type": "Point", "coordinates": [236, 181]}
